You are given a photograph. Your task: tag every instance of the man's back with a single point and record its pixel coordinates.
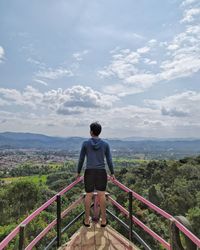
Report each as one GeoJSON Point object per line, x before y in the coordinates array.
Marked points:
{"type": "Point", "coordinates": [95, 149]}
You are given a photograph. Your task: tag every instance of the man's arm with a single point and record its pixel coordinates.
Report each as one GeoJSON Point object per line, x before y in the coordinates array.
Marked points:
{"type": "Point", "coordinates": [81, 158]}
{"type": "Point", "coordinates": [109, 159]}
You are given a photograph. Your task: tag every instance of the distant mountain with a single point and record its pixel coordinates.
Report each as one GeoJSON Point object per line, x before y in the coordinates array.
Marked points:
{"type": "Point", "coordinates": [158, 139]}
{"type": "Point", "coordinates": [10, 140]}
{"type": "Point", "coordinates": [37, 141]}
{"type": "Point", "coordinates": [25, 136]}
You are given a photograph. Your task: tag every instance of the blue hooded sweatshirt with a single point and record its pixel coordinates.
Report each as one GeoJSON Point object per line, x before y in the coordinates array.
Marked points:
{"type": "Point", "coordinates": [95, 149]}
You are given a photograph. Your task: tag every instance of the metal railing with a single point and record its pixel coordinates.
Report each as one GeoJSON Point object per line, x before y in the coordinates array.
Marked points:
{"type": "Point", "coordinates": [174, 223]}
{"type": "Point", "coordinates": [20, 229]}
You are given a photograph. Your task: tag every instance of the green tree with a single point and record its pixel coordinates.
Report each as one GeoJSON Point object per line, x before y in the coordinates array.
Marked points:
{"type": "Point", "coordinates": [22, 196]}
{"type": "Point", "coordinates": [194, 217]}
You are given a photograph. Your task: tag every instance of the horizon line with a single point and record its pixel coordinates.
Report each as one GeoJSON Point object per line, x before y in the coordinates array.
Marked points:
{"type": "Point", "coordinates": [109, 138]}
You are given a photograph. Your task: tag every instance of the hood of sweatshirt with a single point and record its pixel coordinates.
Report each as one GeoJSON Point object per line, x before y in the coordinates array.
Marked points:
{"type": "Point", "coordinates": [96, 143]}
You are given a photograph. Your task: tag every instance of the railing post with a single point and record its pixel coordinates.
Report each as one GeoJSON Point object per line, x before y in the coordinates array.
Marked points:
{"type": "Point", "coordinates": [21, 236]}
{"type": "Point", "coordinates": [130, 215]}
{"type": "Point", "coordinates": [175, 242]}
{"type": "Point", "coordinates": [189, 244]}
{"type": "Point", "coordinates": [58, 200]}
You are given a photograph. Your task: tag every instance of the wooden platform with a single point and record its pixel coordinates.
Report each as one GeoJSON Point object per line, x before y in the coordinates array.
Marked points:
{"type": "Point", "coordinates": [96, 238]}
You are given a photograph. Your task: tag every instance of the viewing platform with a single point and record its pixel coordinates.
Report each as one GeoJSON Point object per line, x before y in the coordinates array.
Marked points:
{"type": "Point", "coordinates": [96, 237]}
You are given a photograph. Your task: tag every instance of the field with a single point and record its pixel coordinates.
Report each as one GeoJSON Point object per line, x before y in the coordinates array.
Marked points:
{"type": "Point", "coordinates": [38, 179]}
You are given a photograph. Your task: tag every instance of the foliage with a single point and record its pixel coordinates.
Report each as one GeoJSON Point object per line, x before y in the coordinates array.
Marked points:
{"type": "Point", "coordinates": [172, 185]}
{"type": "Point", "coordinates": [40, 179]}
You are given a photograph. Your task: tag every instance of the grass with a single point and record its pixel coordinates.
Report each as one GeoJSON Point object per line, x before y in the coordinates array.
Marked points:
{"type": "Point", "coordinates": [123, 160]}
{"type": "Point", "coordinates": [35, 178]}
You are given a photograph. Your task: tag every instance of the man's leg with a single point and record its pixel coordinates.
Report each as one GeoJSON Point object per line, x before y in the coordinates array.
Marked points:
{"type": "Point", "coordinates": [89, 187]}
{"type": "Point", "coordinates": [88, 199]}
{"type": "Point", "coordinates": [102, 203]}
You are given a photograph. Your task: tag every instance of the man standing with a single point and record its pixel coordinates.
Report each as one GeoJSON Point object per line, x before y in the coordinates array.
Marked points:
{"type": "Point", "coordinates": [95, 176]}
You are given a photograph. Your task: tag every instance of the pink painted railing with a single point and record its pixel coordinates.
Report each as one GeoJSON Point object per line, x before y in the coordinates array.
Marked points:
{"type": "Point", "coordinates": [166, 215]}
{"type": "Point", "coordinates": [6, 241]}
{"type": "Point", "coordinates": [142, 225]}
{"type": "Point", "coordinates": [188, 233]}
{"type": "Point", "coordinates": [53, 223]}
{"type": "Point", "coordinates": [142, 199]}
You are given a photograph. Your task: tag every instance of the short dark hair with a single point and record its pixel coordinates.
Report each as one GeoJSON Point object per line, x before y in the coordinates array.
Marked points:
{"type": "Point", "coordinates": [95, 127]}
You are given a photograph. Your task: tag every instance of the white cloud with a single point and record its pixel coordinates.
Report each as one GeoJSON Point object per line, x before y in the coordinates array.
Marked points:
{"type": "Point", "coordinates": [12, 95]}
{"type": "Point", "coordinates": [181, 66]}
{"type": "Point", "coordinates": [29, 97]}
{"type": "Point", "coordinates": [36, 62]}
{"type": "Point", "coordinates": [122, 66]}
{"type": "Point", "coordinates": [188, 2]}
{"type": "Point", "coordinates": [194, 30]}
{"type": "Point", "coordinates": [184, 54]}
{"type": "Point", "coordinates": [183, 105]}
{"type": "Point", "coordinates": [174, 112]}
{"type": "Point", "coordinates": [75, 100]}
{"type": "Point", "coordinates": [2, 54]}
{"type": "Point", "coordinates": [189, 15]}
{"type": "Point", "coordinates": [125, 67]}
{"type": "Point", "coordinates": [79, 55]}
{"type": "Point", "coordinates": [3, 102]}
{"type": "Point", "coordinates": [121, 90]}
{"type": "Point", "coordinates": [53, 74]}
{"type": "Point", "coordinates": [143, 50]}
{"type": "Point", "coordinates": [41, 82]}
{"type": "Point", "coordinates": [142, 81]}
{"type": "Point", "coordinates": [152, 42]}
{"type": "Point", "coordinates": [32, 96]}
{"type": "Point", "coordinates": [78, 99]}
{"type": "Point", "coordinates": [173, 47]}
{"type": "Point", "coordinates": [149, 61]}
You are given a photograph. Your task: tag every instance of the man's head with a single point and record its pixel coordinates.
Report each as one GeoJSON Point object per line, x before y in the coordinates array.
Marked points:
{"type": "Point", "coordinates": [95, 129]}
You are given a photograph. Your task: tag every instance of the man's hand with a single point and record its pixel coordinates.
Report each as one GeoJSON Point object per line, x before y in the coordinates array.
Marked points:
{"type": "Point", "coordinates": [112, 177]}
{"type": "Point", "coordinates": [77, 175]}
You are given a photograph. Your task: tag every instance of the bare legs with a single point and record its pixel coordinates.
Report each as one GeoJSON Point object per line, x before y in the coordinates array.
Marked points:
{"type": "Point", "coordinates": [88, 199]}
{"type": "Point", "coordinates": [102, 202]}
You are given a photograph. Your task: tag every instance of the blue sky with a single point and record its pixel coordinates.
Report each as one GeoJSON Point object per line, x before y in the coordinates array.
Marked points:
{"type": "Point", "coordinates": [132, 65]}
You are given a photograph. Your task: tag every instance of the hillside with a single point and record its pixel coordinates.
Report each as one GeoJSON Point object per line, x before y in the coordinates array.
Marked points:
{"type": "Point", "coordinates": [172, 185]}
{"type": "Point", "coordinates": [10, 140]}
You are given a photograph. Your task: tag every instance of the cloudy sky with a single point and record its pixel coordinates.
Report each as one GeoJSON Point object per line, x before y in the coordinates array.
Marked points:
{"type": "Point", "coordinates": [134, 66]}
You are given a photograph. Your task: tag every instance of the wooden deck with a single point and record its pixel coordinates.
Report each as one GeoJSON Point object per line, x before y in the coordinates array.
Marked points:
{"type": "Point", "coordinates": [98, 238]}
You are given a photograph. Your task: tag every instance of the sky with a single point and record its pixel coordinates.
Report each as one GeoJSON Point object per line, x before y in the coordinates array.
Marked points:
{"type": "Point", "coordinates": [133, 66]}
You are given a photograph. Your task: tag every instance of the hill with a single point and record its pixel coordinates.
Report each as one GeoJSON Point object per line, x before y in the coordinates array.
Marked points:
{"type": "Point", "coordinates": [11, 140]}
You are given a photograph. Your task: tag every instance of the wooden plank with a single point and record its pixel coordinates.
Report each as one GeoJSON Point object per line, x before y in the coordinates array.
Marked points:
{"type": "Point", "coordinates": [96, 238]}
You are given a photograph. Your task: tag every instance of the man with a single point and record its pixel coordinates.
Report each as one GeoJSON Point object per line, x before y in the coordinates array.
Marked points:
{"type": "Point", "coordinates": [95, 176]}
